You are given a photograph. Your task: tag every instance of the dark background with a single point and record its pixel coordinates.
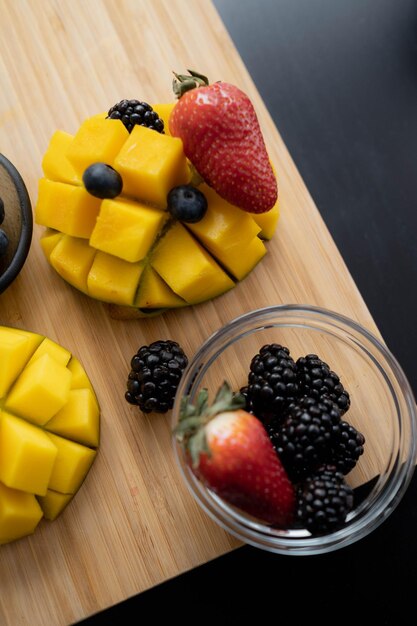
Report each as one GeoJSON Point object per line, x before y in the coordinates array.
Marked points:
{"type": "Point", "coordinates": [339, 78]}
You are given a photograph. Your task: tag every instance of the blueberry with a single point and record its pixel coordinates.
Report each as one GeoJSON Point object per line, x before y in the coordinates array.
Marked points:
{"type": "Point", "coordinates": [1, 211]}
{"type": "Point", "coordinates": [102, 181]}
{"type": "Point", "coordinates": [187, 203]}
{"type": "Point", "coordinates": [4, 242]}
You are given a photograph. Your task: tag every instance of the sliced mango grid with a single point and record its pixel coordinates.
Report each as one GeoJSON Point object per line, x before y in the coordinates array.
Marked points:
{"type": "Point", "coordinates": [128, 250]}
{"type": "Point", "coordinates": [49, 430]}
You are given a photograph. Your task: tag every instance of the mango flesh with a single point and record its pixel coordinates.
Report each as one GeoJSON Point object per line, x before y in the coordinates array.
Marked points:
{"type": "Point", "coordinates": [40, 391]}
{"type": "Point", "coordinates": [49, 430]}
{"type": "Point", "coordinates": [27, 455]}
{"type": "Point", "coordinates": [226, 231]}
{"type": "Point", "coordinates": [67, 208]}
{"type": "Point", "coordinates": [126, 229]}
{"type": "Point", "coordinates": [150, 164]}
{"type": "Point", "coordinates": [20, 513]}
{"type": "Point", "coordinates": [97, 140]}
{"type": "Point", "coordinates": [193, 275]}
{"type": "Point", "coordinates": [55, 164]}
{"type": "Point", "coordinates": [129, 251]}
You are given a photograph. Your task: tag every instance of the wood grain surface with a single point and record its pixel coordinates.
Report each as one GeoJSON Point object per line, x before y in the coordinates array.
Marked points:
{"type": "Point", "coordinates": [133, 524]}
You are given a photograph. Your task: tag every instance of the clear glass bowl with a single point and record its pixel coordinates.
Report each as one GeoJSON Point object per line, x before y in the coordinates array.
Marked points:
{"type": "Point", "coordinates": [382, 408]}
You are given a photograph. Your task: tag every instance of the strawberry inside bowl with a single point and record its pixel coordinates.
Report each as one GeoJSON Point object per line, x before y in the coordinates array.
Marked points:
{"type": "Point", "coordinates": [294, 428]}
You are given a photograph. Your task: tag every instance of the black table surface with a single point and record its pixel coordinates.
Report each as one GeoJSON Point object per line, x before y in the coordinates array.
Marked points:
{"type": "Point", "coordinates": [339, 78]}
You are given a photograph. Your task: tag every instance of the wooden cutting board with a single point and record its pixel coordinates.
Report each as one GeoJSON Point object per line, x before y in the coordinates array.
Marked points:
{"type": "Point", "coordinates": [133, 524]}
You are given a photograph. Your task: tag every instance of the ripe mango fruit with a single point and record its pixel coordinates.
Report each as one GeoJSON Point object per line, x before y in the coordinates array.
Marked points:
{"type": "Point", "coordinates": [129, 251]}
{"type": "Point", "coordinates": [49, 430]}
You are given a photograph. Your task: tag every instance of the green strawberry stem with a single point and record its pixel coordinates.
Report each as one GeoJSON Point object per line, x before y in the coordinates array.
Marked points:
{"type": "Point", "coordinates": [190, 431]}
{"type": "Point", "coordinates": [183, 82]}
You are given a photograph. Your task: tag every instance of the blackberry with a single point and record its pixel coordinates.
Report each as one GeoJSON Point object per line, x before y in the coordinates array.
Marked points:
{"type": "Point", "coordinates": [303, 441]}
{"type": "Point", "coordinates": [244, 391]}
{"type": "Point", "coordinates": [155, 374]}
{"type": "Point", "coordinates": [324, 501]}
{"type": "Point", "coordinates": [132, 112]}
{"type": "Point", "coordinates": [347, 447]}
{"type": "Point", "coordinates": [272, 382]}
{"type": "Point", "coordinates": [315, 379]}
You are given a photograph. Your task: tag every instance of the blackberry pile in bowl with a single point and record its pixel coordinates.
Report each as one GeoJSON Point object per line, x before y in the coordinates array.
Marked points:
{"type": "Point", "coordinates": [337, 409]}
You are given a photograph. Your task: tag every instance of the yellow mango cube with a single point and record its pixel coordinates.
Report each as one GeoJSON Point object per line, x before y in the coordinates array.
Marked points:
{"type": "Point", "coordinates": [72, 258]}
{"type": "Point", "coordinates": [126, 229]}
{"type": "Point", "coordinates": [224, 221]}
{"type": "Point", "coordinates": [98, 140]}
{"type": "Point", "coordinates": [79, 378]}
{"type": "Point", "coordinates": [55, 164]}
{"type": "Point", "coordinates": [67, 208]}
{"type": "Point", "coordinates": [20, 513]}
{"type": "Point", "coordinates": [79, 418]}
{"type": "Point", "coordinates": [267, 221]}
{"type": "Point", "coordinates": [150, 164]}
{"type": "Point", "coordinates": [164, 110]}
{"type": "Point", "coordinates": [16, 347]}
{"type": "Point", "coordinates": [113, 280]}
{"type": "Point", "coordinates": [154, 293]}
{"type": "Point", "coordinates": [27, 455]}
{"type": "Point", "coordinates": [40, 391]}
{"type": "Point", "coordinates": [71, 465]}
{"type": "Point", "coordinates": [60, 354]}
{"type": "Point", "coordinates": [255, 250]}
{"type": "Point", "coordinates": [53, 503]}
{"type": "Point", "coordinates": [230, 234]}
{"type": "Point", "coordinates": [194, 274]}
{"type": "Point", "coordinates": [48, 241]}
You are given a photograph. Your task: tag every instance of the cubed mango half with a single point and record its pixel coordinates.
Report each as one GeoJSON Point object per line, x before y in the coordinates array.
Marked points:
{"type": "Point", "coordinates": [40, 475]}
{"type": "Point", "coordinates": [133, 244]}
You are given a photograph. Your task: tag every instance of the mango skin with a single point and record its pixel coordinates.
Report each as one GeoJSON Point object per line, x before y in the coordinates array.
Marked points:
{"type": "Point", "coordinates": [46, 452]}
{"type": "Point", "coordinates": [109, 252]}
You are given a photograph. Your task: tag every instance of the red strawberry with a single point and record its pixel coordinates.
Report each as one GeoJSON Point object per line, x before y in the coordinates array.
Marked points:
{"type": "Point", "coordinates": [222, 138]}
{"type": "Point", "coordinates": [231, 453]}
